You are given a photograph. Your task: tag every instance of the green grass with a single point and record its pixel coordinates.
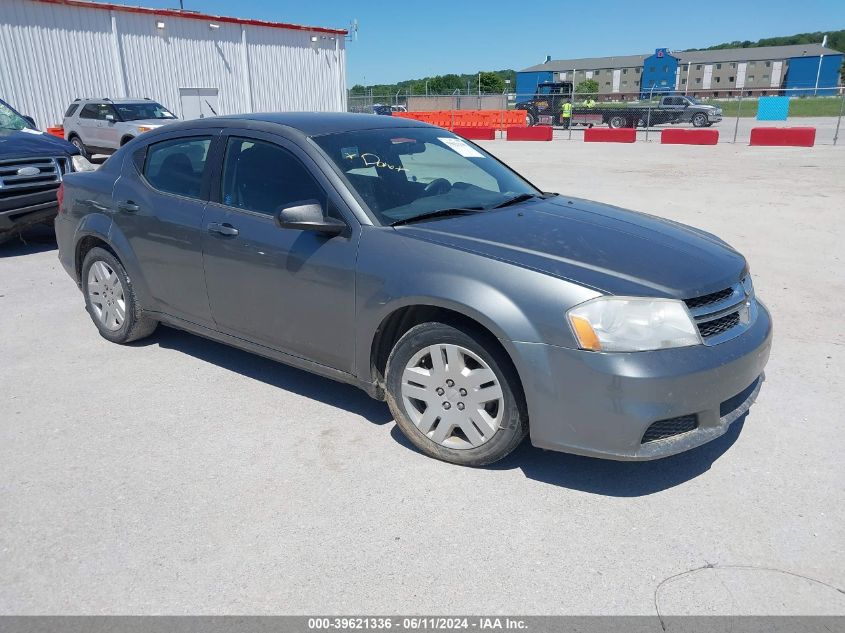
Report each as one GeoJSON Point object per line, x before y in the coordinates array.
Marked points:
{"type": "Point", "coordinates": [798, 107]}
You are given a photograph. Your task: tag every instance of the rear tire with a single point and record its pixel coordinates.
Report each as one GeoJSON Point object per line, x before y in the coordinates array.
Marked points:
{"type": "Point", "coordinates": [530, 119]}
{"type": "Point", "coordinates": [78, 144]}
{"type": "Point", "coordinates": [616, 122]}
{"type": "Point", "coordinates": [455, 395]}
{"type": "Point", "coordinates": [110, 299]}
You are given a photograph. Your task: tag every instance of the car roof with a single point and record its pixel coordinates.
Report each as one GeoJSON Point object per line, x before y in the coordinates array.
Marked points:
{"type": "Point", "coordinates": [121, 100]}
{"type": "Point", "coordinates": [306, 123]}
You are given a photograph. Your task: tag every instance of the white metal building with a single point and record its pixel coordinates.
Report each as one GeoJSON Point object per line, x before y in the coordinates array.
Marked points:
{"type": "Point", "coordinates": [53, 51]}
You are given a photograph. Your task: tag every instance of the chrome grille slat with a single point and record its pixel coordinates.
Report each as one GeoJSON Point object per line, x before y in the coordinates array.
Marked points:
{"type": "Point", "coordinates": [50, 172]}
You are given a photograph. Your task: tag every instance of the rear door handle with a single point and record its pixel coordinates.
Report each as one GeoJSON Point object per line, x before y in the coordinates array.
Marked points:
{"type": "Point", "coordinates": [128, 206]}
{"type": "Point", "coordinates": [223, 229]}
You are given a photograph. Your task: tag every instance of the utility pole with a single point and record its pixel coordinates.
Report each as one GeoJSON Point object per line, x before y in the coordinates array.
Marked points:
{"type": "Point", "coordinates": [819, 71]}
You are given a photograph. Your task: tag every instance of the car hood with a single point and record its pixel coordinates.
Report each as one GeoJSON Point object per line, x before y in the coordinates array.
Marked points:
{"type": "Point", "coordinates": [15, 143]}
{"type": "Point", "coordinates": [613, 250]}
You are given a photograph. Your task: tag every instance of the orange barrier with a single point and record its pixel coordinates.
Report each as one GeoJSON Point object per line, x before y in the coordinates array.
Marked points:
{"type": "Point", "coordinates": [56, 131]}
{"type": "Point", "coordinates": [536, 133]}
{"type": "Point", "coordinates": [476, 133]}
{"type": "Point", "coordinates": [449, 119]}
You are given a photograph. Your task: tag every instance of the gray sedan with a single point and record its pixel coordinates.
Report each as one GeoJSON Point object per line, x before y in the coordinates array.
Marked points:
{"type": "Point", "coordinates": [402, 259]}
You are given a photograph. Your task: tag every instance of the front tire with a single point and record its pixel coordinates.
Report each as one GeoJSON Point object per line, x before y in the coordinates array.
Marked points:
{"type": "Point", "coordinates": [78, 144]}
{"type": "Point", "coordinates": [616, 122]}
{"type": "Point", "coordinates": [530, 119]}
{"type": "Point", "coordinates": [699, 120]}
{"type": "Point", "coordinates": [110, 299]}
{"type": "Point", "coordinates": [454, 395]}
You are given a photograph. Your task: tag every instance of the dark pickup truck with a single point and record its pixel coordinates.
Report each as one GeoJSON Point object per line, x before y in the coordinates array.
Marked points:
{"type": "Point", "coordinates": [31, 168]}
{"type": "Point", "coordinates": [545, 108]}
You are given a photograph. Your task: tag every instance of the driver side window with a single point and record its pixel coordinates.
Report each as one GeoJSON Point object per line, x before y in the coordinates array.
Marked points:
{"type": "Point", "coordinates": [441, 162]}
{"type": "Point", "coordinates": [261, 177]}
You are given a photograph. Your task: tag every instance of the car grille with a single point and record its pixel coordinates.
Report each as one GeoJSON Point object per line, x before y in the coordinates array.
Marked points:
{"type": "Point", "coordinates": [724, 314]}
{"type": "Point", "coordinates": [662, 429]}
{"type": "Point", "coordinates": [40, 174]}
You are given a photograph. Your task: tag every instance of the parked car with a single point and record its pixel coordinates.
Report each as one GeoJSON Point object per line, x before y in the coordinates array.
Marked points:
{"type": "Point", "coordinates": [32, 165]}
{"type": "Point", "coordinates": [397, 257]}
{"type": "Point", "coordinates": [101, 126]}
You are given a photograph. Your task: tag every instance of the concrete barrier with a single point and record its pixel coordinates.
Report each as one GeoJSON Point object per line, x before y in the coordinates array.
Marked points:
{"type": "Point", "coordinates": [476, 133]}
{"type": "Point", "coordinates": [783, 136]}
{"type": "Point", "coordinates": [536, 133]}
{"type": "Point", "coordinates": [689, 137]}
{"type": "Point", "coordinates": [610, 135]}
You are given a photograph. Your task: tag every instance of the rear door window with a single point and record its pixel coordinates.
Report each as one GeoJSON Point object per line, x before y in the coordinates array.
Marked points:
{"type": "Point", "coordinates": [89, 112]}
{"type": "Point", "coordinates": [176, 166]}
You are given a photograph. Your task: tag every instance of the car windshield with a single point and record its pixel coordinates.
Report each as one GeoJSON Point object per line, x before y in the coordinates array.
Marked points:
{"type": "Point", "coordinates": [694, 100]}
{"type": "Point", "coordinates": [11, 120]}
{"type": "Point", "coordinates": [139, 111]}
{"type": "Point", "coordinates": [403, 173]}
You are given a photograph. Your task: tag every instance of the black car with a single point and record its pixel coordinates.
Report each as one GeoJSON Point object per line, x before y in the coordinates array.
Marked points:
{"type": "Point", "coordinates": [31, 168]}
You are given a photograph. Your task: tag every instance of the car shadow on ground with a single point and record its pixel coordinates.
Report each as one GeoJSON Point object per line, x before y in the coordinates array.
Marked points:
{"type": "Point", "coordinates": [276, 374]}
{"type": "Point", "coordinates": [36, 239]}
{"type": "Point", "coordinates": [597, 476]}
{"type": "Point", "coordinates": [609, 477]}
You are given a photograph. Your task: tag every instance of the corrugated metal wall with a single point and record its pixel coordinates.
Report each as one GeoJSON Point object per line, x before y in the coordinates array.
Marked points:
{"type": "Point", "coordinates": [53, 54]}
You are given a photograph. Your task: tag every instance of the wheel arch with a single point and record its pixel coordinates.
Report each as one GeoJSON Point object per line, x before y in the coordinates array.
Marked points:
{"type": "Point", "coordinates": [126, 138]}
{"type": "Point", "coordinates": [98, 230]}
{"type": "Point", "coordinates": [402, 318]}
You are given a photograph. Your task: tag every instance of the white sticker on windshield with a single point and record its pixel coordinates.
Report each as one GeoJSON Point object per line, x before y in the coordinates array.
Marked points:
{"type": "Point", "coordinates": [459, 146]}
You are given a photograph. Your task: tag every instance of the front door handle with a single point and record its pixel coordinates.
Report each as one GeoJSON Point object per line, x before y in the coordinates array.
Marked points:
{"type": "Point", "coordinates": [128, 206]}
{"type": "Point", "coordinates": [223, 229]}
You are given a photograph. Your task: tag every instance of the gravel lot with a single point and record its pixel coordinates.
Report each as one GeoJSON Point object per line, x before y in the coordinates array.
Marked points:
{"type": "Point", "coordinates": [181, 476]}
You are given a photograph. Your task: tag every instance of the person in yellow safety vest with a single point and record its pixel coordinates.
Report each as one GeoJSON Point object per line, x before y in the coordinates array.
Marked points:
{"type": "Point", "coordinates": [566, 113]}
{"type": "Point", "coordinates": [589, 103]}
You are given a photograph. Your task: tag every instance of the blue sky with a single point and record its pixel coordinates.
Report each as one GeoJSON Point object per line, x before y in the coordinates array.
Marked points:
{"type": "Point", "coordinates": [403, 40]}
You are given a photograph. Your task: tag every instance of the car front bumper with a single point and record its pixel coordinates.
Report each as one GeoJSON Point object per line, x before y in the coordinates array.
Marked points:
{"type": "Point", "coordinates": [714, 118]}
{"type": "Point", "coordinates": [601, 404]}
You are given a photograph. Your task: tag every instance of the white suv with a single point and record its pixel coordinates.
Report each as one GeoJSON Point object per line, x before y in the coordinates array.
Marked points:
{"type": "Point", "coordinates": [101, 126]}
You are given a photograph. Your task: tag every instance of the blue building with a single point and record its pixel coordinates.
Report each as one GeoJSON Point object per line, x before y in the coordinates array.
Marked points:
{"type": "Point", "coordinates": [712, 73]}
{"type": "Point", "coordinates": [659, 73]}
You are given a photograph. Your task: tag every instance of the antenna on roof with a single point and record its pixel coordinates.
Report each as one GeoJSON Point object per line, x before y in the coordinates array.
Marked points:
{"type": "Point", "coordinates": [352, 36]}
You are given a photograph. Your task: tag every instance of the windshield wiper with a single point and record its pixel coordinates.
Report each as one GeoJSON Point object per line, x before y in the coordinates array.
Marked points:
{"type": "Point", "coordinates": [515, 200]}
{"type": "Point", "coordinates": [440, 213]}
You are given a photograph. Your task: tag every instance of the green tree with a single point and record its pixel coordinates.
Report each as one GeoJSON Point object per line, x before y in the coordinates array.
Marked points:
{"type": "Point", "coordinates": [589, 88]}
{"type": "Point", "coordinates": [491, 82]}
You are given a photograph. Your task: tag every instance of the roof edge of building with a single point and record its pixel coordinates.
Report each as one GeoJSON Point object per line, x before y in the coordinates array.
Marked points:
{"type": "Point", "coordinates": [191, 15]}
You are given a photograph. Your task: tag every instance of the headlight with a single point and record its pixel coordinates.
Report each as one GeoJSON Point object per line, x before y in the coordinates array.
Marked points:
{"type": "Point", "coordinates": [80, 163]}
{"type": "Point", "coordinates": [632, 324]}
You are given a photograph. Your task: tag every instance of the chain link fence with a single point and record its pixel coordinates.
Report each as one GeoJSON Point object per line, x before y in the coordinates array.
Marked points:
{"type": "Point", "coordinates": [733, 113]}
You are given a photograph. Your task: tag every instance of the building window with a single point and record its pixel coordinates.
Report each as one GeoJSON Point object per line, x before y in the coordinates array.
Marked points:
{"type": "Point", "coordinates": [606, 83]}
{"type": "Point", "coordinates": [624, 71]}
{"type": "Point", "coordinates": [683, 81]}
{"type": "Point", "coordinates": [733, 65]}
{"type": "Point", "coordinates": [765, 78]}
{"type": "Point", "coordinates": [698, 66]}
{"type": "Point", "coordinates": [639, 70]}
{"type": "Point", "coordinates": [730, 79]}
{"type": "Point", "coordinates": [751, 64]}
{"type": "Point", "coordinates": [698, 80]}
{"type": "Point", "coordinates": [637, 83]}
{"type": "Point", "coordinates": [625, 83]}
{"type": "Point", "coordinates": [718, 66]}
{"type": "Point", "coordinates": [768, 64]}
{"type": "Point", "coordinates": [718, 79]}
{"type": "Point", "coordinates": [750, 77]}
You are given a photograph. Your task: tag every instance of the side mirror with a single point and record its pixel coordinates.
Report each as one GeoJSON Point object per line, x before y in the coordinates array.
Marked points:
{"type": "Point", "coordinates": [31, 122]}
{"type": "Point", "coordinates": [110, 118]}
{"type": "Point", "coordinates": [307, 215]}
